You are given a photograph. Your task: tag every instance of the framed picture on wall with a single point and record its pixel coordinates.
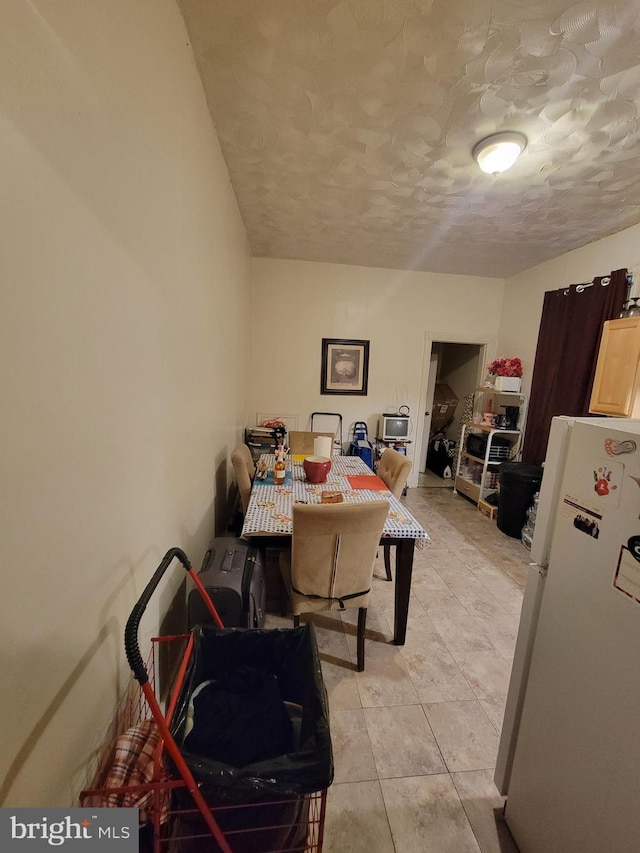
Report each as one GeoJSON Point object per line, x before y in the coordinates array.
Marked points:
{"type": "Point", "coordinates": [345, 366]}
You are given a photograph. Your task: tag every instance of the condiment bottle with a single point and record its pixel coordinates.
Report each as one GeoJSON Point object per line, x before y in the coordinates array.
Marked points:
{"type": "Point", "coordinates": [279, 469]}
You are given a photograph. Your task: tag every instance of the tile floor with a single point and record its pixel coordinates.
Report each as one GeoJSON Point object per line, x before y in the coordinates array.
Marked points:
{"type": "Point", "coordinates": [415, 735]}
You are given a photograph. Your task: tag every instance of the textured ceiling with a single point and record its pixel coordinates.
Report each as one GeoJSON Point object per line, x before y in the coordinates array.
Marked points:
{"type": "Point", "coordinates": [347, 127]}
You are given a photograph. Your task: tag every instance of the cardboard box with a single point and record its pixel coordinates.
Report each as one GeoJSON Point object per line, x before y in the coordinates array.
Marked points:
{"type": "Point", "coordinates": [301, 443]}
{"type": "Point", "coordinates": [444, 406]}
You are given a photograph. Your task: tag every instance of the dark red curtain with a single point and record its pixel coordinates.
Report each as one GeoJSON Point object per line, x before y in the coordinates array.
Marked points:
{"type": "Point", "coordinates": [566, 355]}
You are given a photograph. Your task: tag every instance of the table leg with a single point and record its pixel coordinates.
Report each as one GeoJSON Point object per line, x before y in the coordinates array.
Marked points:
{"type": "Point", "coordinates": [404, 569]}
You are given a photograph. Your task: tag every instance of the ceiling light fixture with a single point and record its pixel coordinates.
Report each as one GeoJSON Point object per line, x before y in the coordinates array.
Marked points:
{"type": "Point", "coordinates": [499, 152]}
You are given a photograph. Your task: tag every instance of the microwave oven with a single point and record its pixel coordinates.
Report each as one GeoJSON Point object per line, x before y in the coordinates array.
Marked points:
{"type": "Point", "coordinates": [393, 427]}
{"type": "Point", "coordinates": [477, 446]}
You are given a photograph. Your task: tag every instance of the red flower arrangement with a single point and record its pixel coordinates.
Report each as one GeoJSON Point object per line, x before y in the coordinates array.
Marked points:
{"type": "Point", "coordinates": [505, 367]}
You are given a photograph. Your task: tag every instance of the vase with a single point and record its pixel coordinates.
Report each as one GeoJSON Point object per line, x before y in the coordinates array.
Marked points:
{"type": "Point", "coordinates": [507, 383]}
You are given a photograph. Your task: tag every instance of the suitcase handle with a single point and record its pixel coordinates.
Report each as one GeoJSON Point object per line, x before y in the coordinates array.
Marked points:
{"type": "Point", "coordinates": [227, 560]}
{"type": "Point", "coordinates": [131, 644]}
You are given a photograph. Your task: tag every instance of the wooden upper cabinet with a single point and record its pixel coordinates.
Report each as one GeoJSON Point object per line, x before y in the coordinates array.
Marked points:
{"type": "Point", "coordinates": [616, 387]}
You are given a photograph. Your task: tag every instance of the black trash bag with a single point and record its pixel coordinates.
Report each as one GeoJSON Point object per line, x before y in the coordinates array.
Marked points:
{"type": "Point", "coordinates": [287, 657]}
{"type": "Point", "coordinates": [225, 709]}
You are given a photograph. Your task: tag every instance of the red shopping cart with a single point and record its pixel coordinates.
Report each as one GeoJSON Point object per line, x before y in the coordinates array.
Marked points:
{"type": "Point", "coordinates": [191, 801]}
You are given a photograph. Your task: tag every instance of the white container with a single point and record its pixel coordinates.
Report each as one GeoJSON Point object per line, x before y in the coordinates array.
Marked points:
{"type": "Point", "coordinates": [507, 383]}
{"type": "Point", "coordinates": [322, 445]}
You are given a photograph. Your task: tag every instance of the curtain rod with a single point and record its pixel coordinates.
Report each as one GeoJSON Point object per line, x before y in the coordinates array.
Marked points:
{"type": "Point", "coordinates": [604, 282]}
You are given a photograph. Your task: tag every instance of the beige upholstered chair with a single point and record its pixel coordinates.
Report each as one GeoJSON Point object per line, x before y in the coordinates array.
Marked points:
{"type": "Point", "coordinates": [393, 470]}
{"type": "Point", "coordinates": [330, 565]}
{"type": "Point", "coordinates": [244, 470]}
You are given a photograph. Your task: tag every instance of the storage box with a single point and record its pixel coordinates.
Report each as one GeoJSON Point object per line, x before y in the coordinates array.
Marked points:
{"type": "Point", "coordinates": [507, 383]}
{"type": "Point", "coordinates": [444, 406]}
{"type": "Point", "coordinates": [487, 509]}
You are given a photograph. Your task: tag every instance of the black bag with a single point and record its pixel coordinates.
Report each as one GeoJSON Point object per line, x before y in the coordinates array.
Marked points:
{"type": "Point", "coordinates": [232, 572]}
{"type": "Point", "coordinates": [440, 456]}
{"type": "Point", "coordinates": [290, 657]}
{"type": "Point", "coordinates": [264, 805]}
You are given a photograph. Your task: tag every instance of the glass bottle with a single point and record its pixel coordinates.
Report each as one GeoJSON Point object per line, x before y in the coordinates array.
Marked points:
{"type": "Point", "coordinates": [633, 310]}
{"type": "Point", "coordinates": [280, 468]}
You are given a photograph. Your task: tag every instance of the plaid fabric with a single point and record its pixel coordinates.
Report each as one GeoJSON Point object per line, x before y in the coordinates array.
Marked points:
{"type": "Point", "coordinates": [133, 764]}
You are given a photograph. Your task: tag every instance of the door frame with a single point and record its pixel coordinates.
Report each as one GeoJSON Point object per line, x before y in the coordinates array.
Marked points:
{"type": "Point", "coordinates": [434, 363]}
{"type": "Point", "coordinates": [486, 354]}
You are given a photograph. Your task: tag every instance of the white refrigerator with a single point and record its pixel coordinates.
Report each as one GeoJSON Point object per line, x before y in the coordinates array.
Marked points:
{"type": "Point", "coordinates": [569, 758]}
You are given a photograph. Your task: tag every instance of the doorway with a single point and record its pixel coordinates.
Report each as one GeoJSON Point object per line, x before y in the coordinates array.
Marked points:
{"type": "Point", "coordinates": [459, 363]}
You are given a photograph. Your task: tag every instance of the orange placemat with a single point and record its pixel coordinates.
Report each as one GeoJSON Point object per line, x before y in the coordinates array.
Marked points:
{"type": "Point", "coordinates": [367, 481]}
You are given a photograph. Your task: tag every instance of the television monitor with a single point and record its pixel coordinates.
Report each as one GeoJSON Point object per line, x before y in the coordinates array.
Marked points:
{"type": "Point", "coordinates": [393, 427]}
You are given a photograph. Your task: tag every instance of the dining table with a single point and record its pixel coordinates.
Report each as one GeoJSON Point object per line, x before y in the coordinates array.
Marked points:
{"type": "Point", "coordinates": [270, 515]}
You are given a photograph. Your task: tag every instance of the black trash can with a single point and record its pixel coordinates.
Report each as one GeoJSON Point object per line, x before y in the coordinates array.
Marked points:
{"type": "Point", "coordinates": [519, 482]}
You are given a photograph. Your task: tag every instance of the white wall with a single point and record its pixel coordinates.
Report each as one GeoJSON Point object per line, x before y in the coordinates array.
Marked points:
{"type": "Point", "coordinates": [524, 293]}
{"type": "Point", "coordinates": [296, 304]}
{"type": "Point", "coordinates": [123, 329]}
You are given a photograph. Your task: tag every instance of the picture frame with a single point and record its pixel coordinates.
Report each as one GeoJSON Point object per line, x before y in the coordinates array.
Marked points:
{"type": "Point", "coordinates": [344, 366]}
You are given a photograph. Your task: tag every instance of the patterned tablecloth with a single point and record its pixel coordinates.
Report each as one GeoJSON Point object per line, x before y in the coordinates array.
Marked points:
{"type": "Point", "coordinates": [269, 510]}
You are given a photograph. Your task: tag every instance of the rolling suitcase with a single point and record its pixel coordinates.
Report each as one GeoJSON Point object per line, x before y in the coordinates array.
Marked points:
{"type": "Point", "coordinates": [233, 574]}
